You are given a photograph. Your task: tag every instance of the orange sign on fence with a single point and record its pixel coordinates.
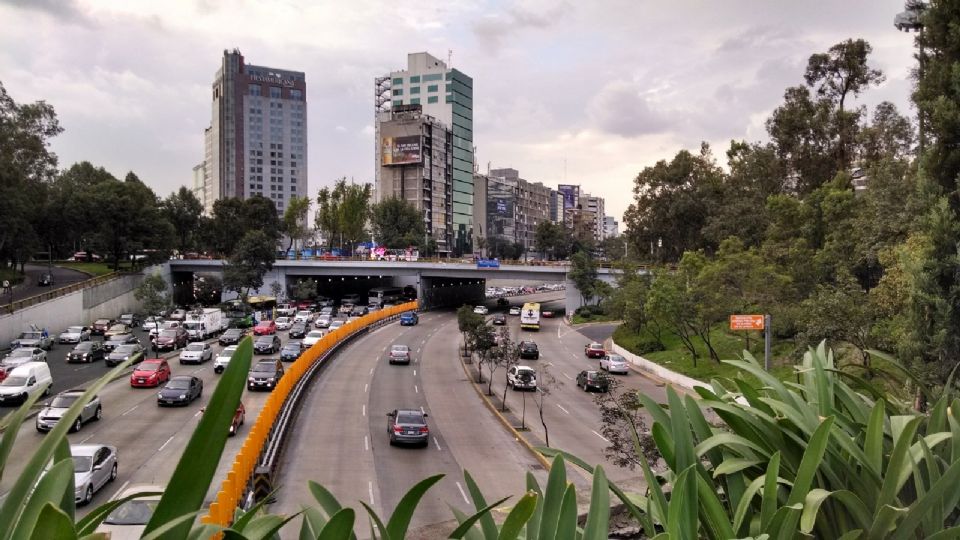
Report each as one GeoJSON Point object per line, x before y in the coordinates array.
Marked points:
{"type": "Point", "coordinates": [746, 322]}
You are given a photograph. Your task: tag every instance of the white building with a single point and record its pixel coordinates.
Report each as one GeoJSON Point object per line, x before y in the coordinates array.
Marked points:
{"type": "Point", "coordinates": [611, 228]}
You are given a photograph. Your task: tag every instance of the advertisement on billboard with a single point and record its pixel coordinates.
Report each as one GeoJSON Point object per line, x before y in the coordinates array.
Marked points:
{"type": "Point", "coordinates": [570, 195]}
{"type": "Point", "coordinates": [401, 150]}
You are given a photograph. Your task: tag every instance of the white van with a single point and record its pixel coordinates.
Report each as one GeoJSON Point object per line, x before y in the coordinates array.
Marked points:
{"type": "Point", "coordinates": [24, 380]}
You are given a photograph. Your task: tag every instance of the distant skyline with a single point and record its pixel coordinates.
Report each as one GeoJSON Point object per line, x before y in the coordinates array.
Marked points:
{"type": "Point", "coordinates": [565, 92]}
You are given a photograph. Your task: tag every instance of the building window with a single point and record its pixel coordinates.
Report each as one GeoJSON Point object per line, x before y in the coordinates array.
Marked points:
{"type": "Point", "coordinates": [415, 101]}
{"type": "Point", "coordinates": [398, 91]}
{"type": "Point", "coordinates": [432, 88]}
{"type": "Point", "coordinates": [415, 90]}
{"type": "Point", "coordinates": [433, 99]}
{"type": "Point", "coordinates": [274, 91]}
{"type": "Point", "coordinates": [254, 89]}
{"type": "Point", "coordinates": [398, 80]}
{"type": "Point", "coordinates": [397, 102]}
{"type": "Point", "coordinates": [296, 94]}
{"type": "Point", "coordinates": [433, 77]}
{"type": "Point", "coordinates": [415, 79]}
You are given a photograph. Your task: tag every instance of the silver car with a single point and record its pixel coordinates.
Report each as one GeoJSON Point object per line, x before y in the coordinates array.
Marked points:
{"type": "Point", "coordinates": [196, 353]}
{"type": "Point", "coordinates": [24, 355]}
{"type": "Point", "coordinates": [75, 334]}
{"type": "Point", "coordinates": [57, 407]}
{"type": "Point", "coordinates": [94, 465]}
{"type": "Point", "coordinates": [408, 426]}
{"type": "Point", "coordinates": [614, 363]}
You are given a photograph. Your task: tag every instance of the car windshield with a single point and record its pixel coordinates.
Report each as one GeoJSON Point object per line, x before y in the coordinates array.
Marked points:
{"type": "Point", "coordinates": [30, 335]}
{"type": "Point", "coordinates": [63, 402]}
{"type": "Point", "coordinates": [102, 321]}
{"type": "Point", "coordinates": [21, 353]}
{"type": "Point", "coordinates": [74, 330]}
{"type": "Point", "coordinates": [399, 348]}
{"type": "Point", "coordinates": [82, 464]}
{"type": "Point", "coordinates": [228, 351]}
{"type": "Point", "coordinates": [525, 375]}
{"type": "Point", "coordinates": [120, 337]}
{"type": "Point", "coordinates": [268, 367]}
{"type": "Point", "coordinates": [168, 333]}
{"type": "Point", "coordinates": [84, 346]}
{"type": "Point", "coordinates": [266, 340]}
{"type": "Point", "coordinates": [118, 327]}
{"type": "Point", "coordinates": [596, 346]}
{"type": "Point", "coordinates": [135, 512]}
{"type": "Point", "coordinates": [615, 358]}
{"type": "Point", "coordinates": [315, 334]}
{"type": "Point", "coordinates": [14, 381]}
{"type": "Point", "coordinates": [148, 366]}
{"type": "Point", "coordinates": [195, 347]}
{"type": "Point", "coordinates": [410, 418]}
{"type": "Point", "coordinates": [125, 349]}
{"type": "Point", "coordinates": [178, 384]}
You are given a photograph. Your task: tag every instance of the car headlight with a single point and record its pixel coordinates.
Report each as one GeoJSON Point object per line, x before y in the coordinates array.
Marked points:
{"type": "Point", "coordinates": [160, 394]}
{"type": "Point", "coordinates": [183, 396]}
{"type": "Point", "coordinates": [250, 379]}
{"type": "Point", "coordinates": [270, 379]}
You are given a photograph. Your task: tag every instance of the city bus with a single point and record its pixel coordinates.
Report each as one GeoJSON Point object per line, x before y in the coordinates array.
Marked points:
{"type": "Point", "coordinates": [384, 295]}
{"type": "Point", "coordinates": [530, 316]}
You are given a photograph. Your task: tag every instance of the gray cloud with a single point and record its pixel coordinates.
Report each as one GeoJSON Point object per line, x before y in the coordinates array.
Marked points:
{"type": "Point", "coordinates": [65, 10]}
{"type": "Point", "coordinates": [493, 29]}
{"type": "Point", "coordinates": [622, 109]}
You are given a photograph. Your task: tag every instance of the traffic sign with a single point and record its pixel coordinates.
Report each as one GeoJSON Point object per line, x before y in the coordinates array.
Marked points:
{"type": "Point", "coordinates": [746, 322]}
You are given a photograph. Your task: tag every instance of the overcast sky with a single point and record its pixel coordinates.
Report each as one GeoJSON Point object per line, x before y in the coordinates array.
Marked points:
{"type": "Point", "coordinates": [565, 92]}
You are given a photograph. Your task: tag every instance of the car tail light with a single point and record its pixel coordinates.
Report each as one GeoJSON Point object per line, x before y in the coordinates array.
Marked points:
{"type": "Point", "coordinates": [424, 430]}
{"type": "Point", "coordinates": [397, 429]}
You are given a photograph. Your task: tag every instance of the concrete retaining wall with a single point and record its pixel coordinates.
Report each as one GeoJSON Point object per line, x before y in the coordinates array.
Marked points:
{"type": "Point", "coordinates": [658, 370]}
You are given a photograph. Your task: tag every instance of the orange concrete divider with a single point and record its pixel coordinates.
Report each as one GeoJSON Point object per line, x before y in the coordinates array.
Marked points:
{"type": "Point", "coordinates": [222, 510]}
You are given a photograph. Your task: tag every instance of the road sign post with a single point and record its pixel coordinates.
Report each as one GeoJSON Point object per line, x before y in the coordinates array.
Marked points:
{"type": "Point", "coordinates": [756, 322]}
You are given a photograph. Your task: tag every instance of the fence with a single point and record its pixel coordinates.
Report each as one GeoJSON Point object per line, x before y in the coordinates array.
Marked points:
{"type": "Point", "coordinates": [232, 489]}
{"type": "Point", "coordinates": [56, 293]}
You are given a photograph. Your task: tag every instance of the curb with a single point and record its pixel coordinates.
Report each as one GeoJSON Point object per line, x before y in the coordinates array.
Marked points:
{"type": "Point", "coordinates": [503, 420]}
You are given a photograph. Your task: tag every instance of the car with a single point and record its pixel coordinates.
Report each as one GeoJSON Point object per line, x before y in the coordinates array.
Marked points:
{"type": "Point", "coordinates": [87, 351]}
{"type": "Point", "coordinates": [165, 325]}
{"type": "Point", "coordinates": [120, 339]}
{"type": "Point", "coordinates": [594, 350]}
{"type": "Point", "coordinates": [196, 353]}
{"type": "Point", "coordinates": [223, 358]}
{"type": "Point", "coordinates": [323, 302]}
{"type": "Point", "coordinates": [515, 310]}
{"type": "Point", "coordinates": [100, 326]}
{"type": "Point", "coordinates": [373, 307]}
{"type": "Point", "coordinates": [123, 353]}
{"type": "Point", "coordinates": [94, 466]}
{"type": "Point", "coordinates": [23, 355]}
{"type": "Point", "coordinates": [129, 520]}
{"type": "Point", "coordinates": [399, 354]}
{"type": "Point", "coordinates": [150, 373]}
{"type": "Point", "coordinates": [152, 322]}
{"type": "Point", "coordinates": [481, 310]}
{"type": "Point", "coordinates": [351, 298]}
{"type": "Point", "coordinates": [286, 310]}
{"type": "Point", "coordinates": [345, 309]}
{"type": "Point", "coordinates": [130, 320]}
{"type": "Point", "coordinates": [336, 324]}
{"type": "Point", "coordinates": [359, 311]}
{"type": "Point", "coordinates": [180, 390]}
{"type": "Point", "coordinates": [45, 279]}
{"type": "Point", "coordinates": [178, 315]}
{"type": "Point", "coordinates": [502, 302]}
{"type": "Point", "coordinates": [304, 316]}
{"type": "Point", "coordinates": [409, 318]}
{"type": "Point", "coordinates": [323, 321]}
{"type": "Point", "coordinates": [240, 320]}
{"type": "Point", "coordinates": [265, 374]}
{"type": "Point", "coordinates": [265, 328]}
{"type": "Point", "coordinates": [499, 319]}
{"type": "Point", "coordinates": [522, 378]}
{"type": "Point", "coordinates": [408, 426]}
{"type": "Point", "coordinates": [351, 320]}
{"type": "Point", "coordinates": [22, 381]}
{"type": "Point", "coordinates": [327, 310]}
{"type": "Point", "coordinates": [291, 351]}
{"type": "Point", "coordinates": [171, 339]}
{"type": "Point", "coordinates": [232, 336]}
{"type": "Point", "coordinates": [74, 334]}
{"type": "Point", "coordinates": [614, 363]}
{"type": "Point", "coordinates": [34, 337]}
{"type": "Point", "coordinates": [284, 323]}
{"type": "Point", "coordinates": [593, 380]}
{"type": "Point", "coordinates": [54, 410]}
{"type": "Point", "coordinates": [547, 314]}
{"type": "Point", "coordinates": [267, 344]}
{"type": "Point", "coordinates": [298, 330]}
{"type": "Point", "coordinates": [529, 349]}
{"type": "Point", "coordinates": [312, 337]}
{"type": "Point", "coordinates": [116, 330]}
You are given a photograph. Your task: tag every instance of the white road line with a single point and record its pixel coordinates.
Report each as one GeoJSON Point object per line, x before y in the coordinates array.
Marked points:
{"type": "Point", "coordinates": [601, 436]}
{"type": "Point", "coordinates": [366, 442]}
{"type": "Point", "coordinates": [366, 388]}
{"type": "Point", "coordinates": [370, 490]}
{"type": "Point", "coordinates": [164, 445]}
{"type": "Point", "coordinates": [82, 367]}
{"type": "Point", "coordinates": [130, 410]}
{"type": "Point", "coordinates": [418, 350]}
{"type": "Point", "coordinates": [119, 491]}
{"type": "Point", "coordinates": [422, 411]}
{"type": "Point", "coordinates": [564, 410]}
{"type": "Point", "coordinates": [415, 389]}
{"type": "Point", "coordinates": [364, 411]}
{"type": "Point", "coordinates": [567, 376]}
{"type": "Point", "coordinates": [463, 493]}
{"type": "Point", "coordinates": [423, 341]}
{"type": "Point", "coordinates": [198, 414]}
{"type": "Point", "coordinates": [371, 371]}
{"type": "Point", "coordinates": [436, 442]}
{"type": "Point", "coordinates": [414, 373]}
{"type": "Point", "coordinates": [87, 438]}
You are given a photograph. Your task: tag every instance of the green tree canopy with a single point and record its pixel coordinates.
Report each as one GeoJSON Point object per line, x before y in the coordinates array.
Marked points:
{"type": "Point", "coordinates": [183, 210]}
{"type": "Point", "coordinates": [396, 223]}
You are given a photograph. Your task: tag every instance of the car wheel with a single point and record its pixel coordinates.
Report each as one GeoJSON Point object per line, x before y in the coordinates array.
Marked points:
{"type": "Point", "coordinates": [88, 495]}
{"type": "Point", "coordinates": [98, 414]}
{"type": "Point", "coordinates": [113, 472]}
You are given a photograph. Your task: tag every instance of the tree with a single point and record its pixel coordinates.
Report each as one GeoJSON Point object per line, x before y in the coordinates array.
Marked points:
{"type": "Point", "coordinates": [295, 220]}
{"type": "Point", "coordinates": [669, 303]}
{"type": "Point", "coordinates": [226, 226]}
{"type": "Point", "coordinates": [183, 210]}
{"type": "Point", "coordinates": [504, 353]}
{"type": "Point", "coordinates": [889, 136]}
{"type": "Point", "coordinates": [583, 273]}
{"type": "Point", "coordinates": [207, 289]}
{"type": "Point", "coordinates": [342, 212]}
{"type": "Point", "coordinates": [467, 322]}
{"type": "Point", "coordinates": [250, 261]}
{"type": "Point", "coordinates": [129, 217]}
{"type": "Point", "coordinates": [546, 383]}
{"type": "Point", "coordinates": [843, 312]}
{"type": "Point", "coordinates": [260, 213]}
{"type": "Point", "coordinates": [623, 424]}
{"type": "Point", "coordinates": [305, 289]}
{"type": "Point", "coordinates": [552, 240]}
{"type": "Point", "coordinates": [396, 223]}
{"type": "Point", "coordinates": [152, 294]}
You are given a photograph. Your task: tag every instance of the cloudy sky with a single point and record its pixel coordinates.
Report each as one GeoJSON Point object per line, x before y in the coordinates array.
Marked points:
{"type": "Point", "coordinates": [564, 91]}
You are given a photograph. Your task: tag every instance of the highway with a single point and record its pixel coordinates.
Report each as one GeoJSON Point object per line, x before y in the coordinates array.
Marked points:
{"type": "Point", "coordinates": [61, 278]}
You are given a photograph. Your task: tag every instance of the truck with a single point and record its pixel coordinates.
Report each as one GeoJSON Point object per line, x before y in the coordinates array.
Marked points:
{"type": "Point", "coordinates": [34, 336]}
{"type": "Point", "coordinates": [204, 323]}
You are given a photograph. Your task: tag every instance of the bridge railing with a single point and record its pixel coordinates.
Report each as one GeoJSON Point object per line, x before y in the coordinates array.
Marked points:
{"type": "Point", "coordinates": [56, 293]}
{"type": "Point", "coordinates": [238, 479]}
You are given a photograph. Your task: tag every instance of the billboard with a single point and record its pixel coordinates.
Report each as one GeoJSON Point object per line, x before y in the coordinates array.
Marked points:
{"type": "Point", "coordinates": [570, 194]}
{"type": "Point", "coordinates": [401, 150]}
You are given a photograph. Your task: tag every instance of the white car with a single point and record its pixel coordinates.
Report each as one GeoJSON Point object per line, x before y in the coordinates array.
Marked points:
{"type": "Point", "coordinates": [312, 337]}
{"type": "Point", "coordinates": [24, 355]}
{"type": "Point", "coordinates": [323, 320]}
{"type": "Point", "coordinates": [130, 518]}
{"type": "Point", "coordinates": [94, 465]}
{"type": "Point", "coordinates": [481, 310]}
{"type": "Point", "coordinates": [283, 323]}
{"type": "Point", "coordinates": [522, 378]}
{"type": "Point", "coordinates": [151, 323]}
{"type": "Point", "coordinates": [75, 334]}
{"type": "Point", "coordinates": [304, 316]}
{"type": "Point", "coordinates": [197, 352]}
{"type": "Point", "coordinates": [614, 363]}
{"type": "Point", "coordinates": [336, 323]}
{"type": "Point", "coordinates": [223, 358]}
{"type": "Point", "coordinates": [515, 310]}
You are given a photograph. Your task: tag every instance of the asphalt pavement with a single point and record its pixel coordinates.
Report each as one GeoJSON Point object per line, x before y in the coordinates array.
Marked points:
{"type": "Point", "coordinates": [28, 287]}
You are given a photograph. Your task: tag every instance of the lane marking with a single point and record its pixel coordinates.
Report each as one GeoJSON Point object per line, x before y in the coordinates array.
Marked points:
{"type": "Point", "coordinates": [87, 438]}
{"type": "Point", "coordinates": [119, 491]}
{"type": "Point", "coordinates": [422, 411]}
{"type": "Point", "coordinates": [414, 373]}
{"type": "Point", "coordinates": [366, 387]}
{"type": "Point", "coordinates": [423, 341]}
{"type": "Point", "coordinates": [82, 367]}
{"type": "Point", "coordinates": [436, 442]}
{"type": "Point", "coordinates": [371, 371]}
{"type": "Point", "coordinates": [366, 443]}
{"type": "Point", "coordinates": [370, 490]}
{"type": "Point", "coordinates": [364, 410]}
{"type": "Point", "coordinates": [567, 376]}
{"type": "Point", "coordinates": [463, 493]}
{"type": "Point", "coordinates": [198, 414]}
{"type": "Point", "coordinates": [564, 410]}
{"type": "Point", "coordinates": [415, 389]}
{"type": "Point", "coordinates": [164, 445]}
{"type": "Point", "coordinates": [418, 350]}
{"type": "Point", "coordinates": [130, 410]}
{"type": "Point", "coordinates": [601, 436]}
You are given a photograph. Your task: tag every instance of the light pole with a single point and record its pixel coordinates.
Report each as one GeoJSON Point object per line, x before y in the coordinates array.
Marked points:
{"type": "Point", "coordinates": [911, 18]}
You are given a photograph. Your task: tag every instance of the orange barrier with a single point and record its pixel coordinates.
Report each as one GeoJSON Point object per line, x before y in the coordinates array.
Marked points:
{"type": "Point", "coordinates": [221, 511]}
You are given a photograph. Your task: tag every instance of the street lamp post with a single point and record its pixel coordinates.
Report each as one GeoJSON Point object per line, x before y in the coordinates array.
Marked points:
{"type": "Point", "coordinates": [911, 18]}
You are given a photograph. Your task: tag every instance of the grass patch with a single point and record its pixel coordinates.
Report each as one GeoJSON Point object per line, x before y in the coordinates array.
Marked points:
{"type": "Point", "coordinates": [580, 319]}
{"type": "Point", "coordinates": [92, 268]}
{"type": "Point", "coordinates": [728, 345]}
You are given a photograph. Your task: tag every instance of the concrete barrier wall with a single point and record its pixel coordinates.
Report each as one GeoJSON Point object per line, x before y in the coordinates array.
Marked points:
{"type": "Point", "coordinates": [658, 370]}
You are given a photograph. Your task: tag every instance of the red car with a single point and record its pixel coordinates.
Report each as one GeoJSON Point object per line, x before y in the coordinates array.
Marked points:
{"type": "Point", "coordinates": [594, 350]}
{"type": "Point", "coordinates": [150, 373]}
{"type": "Point", "coordinates": [100, 326]}
{"type": "Point", "coordinates": [265, 328]}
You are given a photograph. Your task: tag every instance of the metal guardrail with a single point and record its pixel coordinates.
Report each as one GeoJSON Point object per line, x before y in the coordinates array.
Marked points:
{"type": "Point", "coordinates": [57, 293]}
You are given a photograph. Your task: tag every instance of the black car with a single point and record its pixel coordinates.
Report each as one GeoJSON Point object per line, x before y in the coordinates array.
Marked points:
{"type": "Point", "coordinates": [123, 353]}
{"type": "Point", "coordinates": [529, 349]}
{"type": "Point", "coordinates": [88, 351]}
{"type": "Point", "coordinates": [45, 280]}
{"type": "Point", "coordinates": [267, 344]}
{"type": "Point", "coordinates": [298, 330]}
{"type": "Point", "coordinates": [265, 374]}
{"type": "Point", "coordinates": [119, 339]}
{"type": "Point", "coordinates": [232, 336]}
{"type": "Point", "coordinates": [359, 311]}
{"type": "Point", "coordinates": [180, 390]}
{"type": "Point", "coordinates": [499, 319]}
{"type": "Point", "coordinates": [130, 319]}
{"type": "Point", "coordinates": [593, 380]}
{"type": "Point", "coordinates": [291, 351]}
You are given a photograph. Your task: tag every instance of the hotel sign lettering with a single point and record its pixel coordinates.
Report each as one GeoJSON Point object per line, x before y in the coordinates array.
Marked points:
{"type": "Point", "coordinates": [273, 80]}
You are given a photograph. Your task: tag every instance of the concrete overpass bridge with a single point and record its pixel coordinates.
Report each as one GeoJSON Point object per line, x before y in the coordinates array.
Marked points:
{"type": "Point", "coordinates": [437, 283]}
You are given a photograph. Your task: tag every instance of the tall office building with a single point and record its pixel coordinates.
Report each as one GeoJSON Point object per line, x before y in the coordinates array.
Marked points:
{"type": "Point", "coordinates": [445, 94]}
{"type": "Point", "coordinates": [257, 140]}
{"type": "Point", "coordinates": [595, 205]}
{"type": "Point", "coordinates": [532, 205]}
{"type": "Point", "coordinates": [611, 228]}
{"type": "Point", "coordinates": [200, 184]}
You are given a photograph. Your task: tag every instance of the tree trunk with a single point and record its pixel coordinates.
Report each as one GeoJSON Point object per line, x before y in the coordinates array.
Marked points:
{"type": "Point", "coordinates": [546, 432]}
{"type": "Point", "coordinates": [503, 403]}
